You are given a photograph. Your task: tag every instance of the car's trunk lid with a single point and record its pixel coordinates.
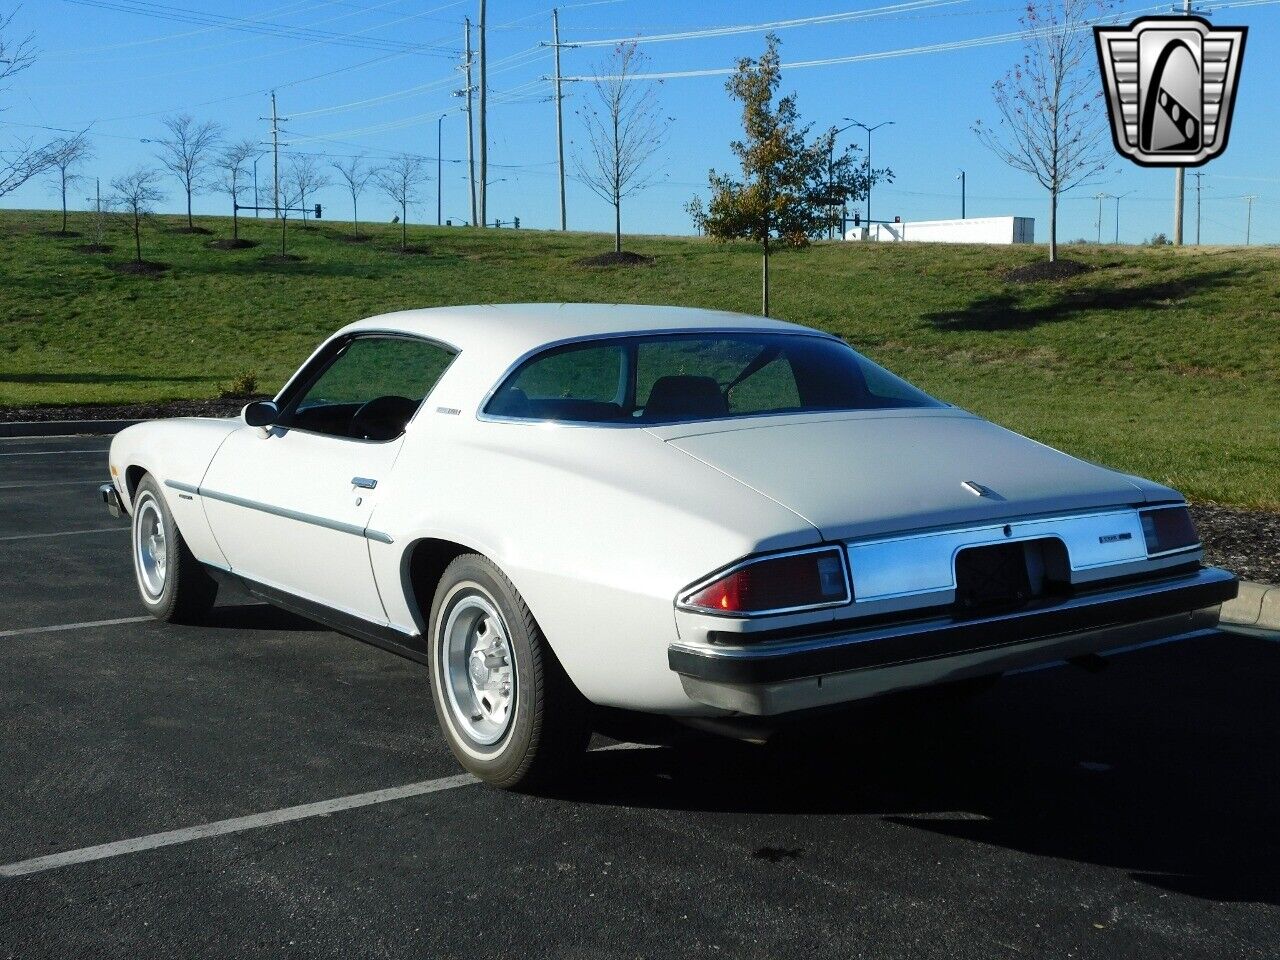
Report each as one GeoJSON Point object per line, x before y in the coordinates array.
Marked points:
{"type": "Point", "coordinates": [869, 473]}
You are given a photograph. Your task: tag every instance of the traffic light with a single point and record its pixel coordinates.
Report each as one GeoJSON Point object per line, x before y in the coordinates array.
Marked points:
{"type": "Point", "coordinates": [517, 223]}
{"type": "Point", "coordinates": [317, 211]}
{"type": "Point", "coordinates": [857, 219]}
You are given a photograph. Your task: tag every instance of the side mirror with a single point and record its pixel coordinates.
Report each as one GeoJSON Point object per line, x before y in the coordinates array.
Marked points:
{"type": "Point", "coordinates": [260, 413]}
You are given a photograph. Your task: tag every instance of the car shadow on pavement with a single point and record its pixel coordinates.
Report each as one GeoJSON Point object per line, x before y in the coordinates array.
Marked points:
{"type": "Point", "coordinates": [258, 616]}
{"type": "Point", "coordinates": [1165, 766]}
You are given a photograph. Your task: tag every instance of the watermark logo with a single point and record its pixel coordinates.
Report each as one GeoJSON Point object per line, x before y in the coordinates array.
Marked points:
{"type": "Point", "coordinates": [1170, 84]}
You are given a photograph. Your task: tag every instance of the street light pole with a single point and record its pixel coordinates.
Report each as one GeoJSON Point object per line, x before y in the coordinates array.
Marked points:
{"type": "Point", "coordinates": [1118, 197]}
{"type": "Point", "coordinates": [961, 179]}
{"type": "Point", "coordinates": [831, 159]}
{"type": "Point", "coordinates": [1100, 197]}
{"type": "Point", "coordinates": [869, 130]}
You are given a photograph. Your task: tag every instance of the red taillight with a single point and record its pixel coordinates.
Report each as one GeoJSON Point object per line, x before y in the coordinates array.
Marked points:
{"type": "Point", "coordinates": [795, 581]}
{"type": "Point", "coordinates": [1169, 528]}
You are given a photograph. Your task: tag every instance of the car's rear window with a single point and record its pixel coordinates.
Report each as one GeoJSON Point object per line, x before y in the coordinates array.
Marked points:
{"type": "Point", "coordinates": [670, 378]}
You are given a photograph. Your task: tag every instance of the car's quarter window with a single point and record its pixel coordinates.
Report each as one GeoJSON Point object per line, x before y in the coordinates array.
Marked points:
{"type": "Point", "coordinates": [664, 378]}
{"type": "Point", "coordinates": [369, 387]}
{"type": "Point", "coordinates": [586, 382]}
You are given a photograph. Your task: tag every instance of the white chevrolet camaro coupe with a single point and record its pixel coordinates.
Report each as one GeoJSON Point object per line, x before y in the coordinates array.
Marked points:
{"type": "Point", "coordinates": [674, 511]}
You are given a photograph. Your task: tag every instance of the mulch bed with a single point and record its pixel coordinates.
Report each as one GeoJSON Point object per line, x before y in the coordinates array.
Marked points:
{"type": "Point", "coordinates": [282, 258]}
{"type": "Point", "coordinates": [418, 249]}
{"type": "Point", "coordinates": [1246, 542]}
{"type": "Point", "coordinates": [141, 268]}
{"type": "Point", "coordinates": [203, 231]}
{"type": "Point", "coordinates": [232, 244]}
{"type": "Point", "coordinates": [614, 259]}
{"type": "Point", "coordinates": [1046, 270]}
{"type": "Point", "coordinates": [93, 248]}
{"type": "Point", "coordinates": [354, 238]}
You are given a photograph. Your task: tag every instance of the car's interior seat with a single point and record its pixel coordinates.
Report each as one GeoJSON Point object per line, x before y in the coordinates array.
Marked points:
{"type": "Point", "coordinates": [686, 398]}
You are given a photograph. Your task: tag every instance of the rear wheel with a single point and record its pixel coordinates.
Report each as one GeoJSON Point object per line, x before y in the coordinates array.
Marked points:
{"type": "Point", "coordinates": [509, 712]}
{"type": "Point", "coordinates": [173, 584]}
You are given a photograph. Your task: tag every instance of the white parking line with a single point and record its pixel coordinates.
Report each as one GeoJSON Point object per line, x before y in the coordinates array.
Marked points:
{"type": "Point", "coordinates": [51, 453]}
{"type": "Point", "coordinates": [58, 627]}
{"type": "Point", "coordinates": [234, 825]}
{"type": "Point", "coordinates": [254, 821]}
{"type": "Point", "coordinates": [61, 533]}
{"type": "Point", "coordinates": [41, 484]}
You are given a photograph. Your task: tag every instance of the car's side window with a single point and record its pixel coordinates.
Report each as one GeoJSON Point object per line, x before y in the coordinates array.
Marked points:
{"type": "Point", "coordinates": [371, 388]}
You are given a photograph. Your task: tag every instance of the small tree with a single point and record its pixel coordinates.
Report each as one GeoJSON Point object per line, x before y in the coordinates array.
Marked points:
{"type": "Point", "coordinates": [1050, 125]}
{"type": "Point", "coordinates": [233, 163]}
{"type": "Point", "coordinates": [65, 155]}
{"type": "Point", "coordinates": [625, 127]}
{"type": "Point", "coordinates": [355, 174]}
{"type": "Point", "coordinates": [288, 200]}
{"type": "Point", "coordinates": [187, 153]}
{"type": "Point", "coordinates": [697, 212]}
{"type": "Point", "coordinates": [791, 188]}
{"type": "Point", "coordinates": [136, 195]}
{"type": "Point", "coordinates": [23, 161]}
{"type": "Point", "coordinates": [307, 178]}
{"type": "Point", "coordinates": [400, 180]}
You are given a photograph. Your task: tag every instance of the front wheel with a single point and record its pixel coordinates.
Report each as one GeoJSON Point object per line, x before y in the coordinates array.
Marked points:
{"type": "Point", "coordinates": [509, 712]}
{"type": "Point", "coordinates": [173, 584]}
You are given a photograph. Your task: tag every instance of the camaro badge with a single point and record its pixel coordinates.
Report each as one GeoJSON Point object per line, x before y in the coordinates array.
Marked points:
{"type": "Point", "coordinates": [1170, 84]}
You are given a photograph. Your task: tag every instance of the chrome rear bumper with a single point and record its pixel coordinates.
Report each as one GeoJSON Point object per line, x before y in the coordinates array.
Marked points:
{"type": "Point", "coordinates": [796, 674]}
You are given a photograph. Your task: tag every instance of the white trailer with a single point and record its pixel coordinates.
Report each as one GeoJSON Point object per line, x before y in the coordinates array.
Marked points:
{"type": "Point", "coordinates": [995, 230]}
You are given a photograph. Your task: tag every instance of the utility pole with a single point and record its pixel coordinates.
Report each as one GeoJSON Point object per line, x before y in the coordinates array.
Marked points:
{"type": "Point", "coordinates": [1179, 173]}
{"type": "Point", "coordinates": [1248, 223]}
{"type": "Point", "coordinates": [256, 158]}
{"type": "Point", "coordinates": [482, 212]}
{"type": "Point", "coordinates": [1118, 197]}
{"type": "Point", "coordinates": [471, 160]}
{"type": "Point", "coordinates": [1199, 175]}
{"type": "Point", "coordinates": [555, 43]}
{"type": "Point", "coordinates": [275, 154]}
{"type": "Point", "coordinates": [439, 181]}
{"type": "Point", "coordinates": [1100, 197]}
{"type": "Point", "coordinates": [961, 179]}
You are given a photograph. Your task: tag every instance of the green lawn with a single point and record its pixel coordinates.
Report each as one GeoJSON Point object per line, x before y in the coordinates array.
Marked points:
{"type": "Point", "coordinates": [1163, 362]}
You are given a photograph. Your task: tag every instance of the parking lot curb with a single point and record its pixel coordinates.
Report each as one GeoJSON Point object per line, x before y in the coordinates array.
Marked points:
{"type": "Point", "coordinates": [1257, 605]}
{"type": "Point", "coordinates": [63, 428]}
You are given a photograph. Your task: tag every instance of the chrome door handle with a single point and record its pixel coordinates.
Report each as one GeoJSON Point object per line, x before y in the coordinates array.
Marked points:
{"type": "Point", "coordinates": [363, 483]}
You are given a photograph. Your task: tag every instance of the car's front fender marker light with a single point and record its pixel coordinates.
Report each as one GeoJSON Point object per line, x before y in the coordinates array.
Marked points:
{"type": "Point", "coordinates": [777, 584]}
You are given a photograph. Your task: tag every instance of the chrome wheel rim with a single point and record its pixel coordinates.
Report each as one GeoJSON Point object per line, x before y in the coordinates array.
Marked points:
{"type": "Point", "coordinates": [478, 669]}
{"type": "Point", "coordinates": [150, 546]}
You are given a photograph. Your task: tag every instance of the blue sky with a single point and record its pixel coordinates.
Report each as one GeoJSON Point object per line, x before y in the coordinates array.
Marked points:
{"type": "Point", "coordinates": [120, 72]}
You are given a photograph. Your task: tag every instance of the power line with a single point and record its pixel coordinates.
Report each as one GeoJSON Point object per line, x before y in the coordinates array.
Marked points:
{"type": "Point", "coordinates": [246, 25]}
{"type": "Point", "coordinates": [729, 31]}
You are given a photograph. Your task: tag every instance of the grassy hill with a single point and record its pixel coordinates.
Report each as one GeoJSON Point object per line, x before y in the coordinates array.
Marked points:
{"type": "Point", "coordinates": [1159, 361]}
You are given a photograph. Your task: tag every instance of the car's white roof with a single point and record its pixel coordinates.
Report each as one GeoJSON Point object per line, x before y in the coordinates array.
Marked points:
{"type": "Point", "coordinates": [513, 329]}
{"type": "Point", "coordinates": [491, 338]}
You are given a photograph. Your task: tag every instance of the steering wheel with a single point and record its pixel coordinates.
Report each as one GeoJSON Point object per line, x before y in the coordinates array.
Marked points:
{"type": "Point", "coordinates": [382, 418]}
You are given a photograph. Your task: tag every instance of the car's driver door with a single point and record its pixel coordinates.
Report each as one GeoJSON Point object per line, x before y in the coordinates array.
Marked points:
{"type": "Point", "coordinates": [290, 505]}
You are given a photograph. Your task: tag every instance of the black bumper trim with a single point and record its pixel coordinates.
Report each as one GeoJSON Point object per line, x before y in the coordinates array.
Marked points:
{"type": "Point", "coordinates": [938, 638]}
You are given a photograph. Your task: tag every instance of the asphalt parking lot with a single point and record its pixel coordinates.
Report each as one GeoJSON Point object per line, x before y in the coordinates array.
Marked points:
{"type": "Point", "coordinates": [1130, 813]}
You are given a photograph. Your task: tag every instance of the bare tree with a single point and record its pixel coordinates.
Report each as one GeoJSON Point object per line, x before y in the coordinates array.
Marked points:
{"type": "Point", "coordinates": [188, 151]}
{"type": "Point", "coordinates": [356, 174]}
{"type": "Point", "coordinates": [136, 195]}
{"type": "Point", "coordinates": [288, 199]}
{"type": "Point", "coordinates": [65, 155]}
{"type": "Point", "coordinates": [400, 180]}
{"type": "Point", "coordinates": [625, 127]}
{"type": "Point", "coordinates": [21, 162]}
{"type": "Point", "coordinates": [1050, 124]}
{"type": "Point", "coordinates": [308, 179]}
{"type": "Point", "coordinates": [233, 163]}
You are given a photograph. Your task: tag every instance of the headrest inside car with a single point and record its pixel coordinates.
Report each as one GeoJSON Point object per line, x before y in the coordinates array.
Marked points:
{"type": "Point", "coordinates": [685, 398]}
